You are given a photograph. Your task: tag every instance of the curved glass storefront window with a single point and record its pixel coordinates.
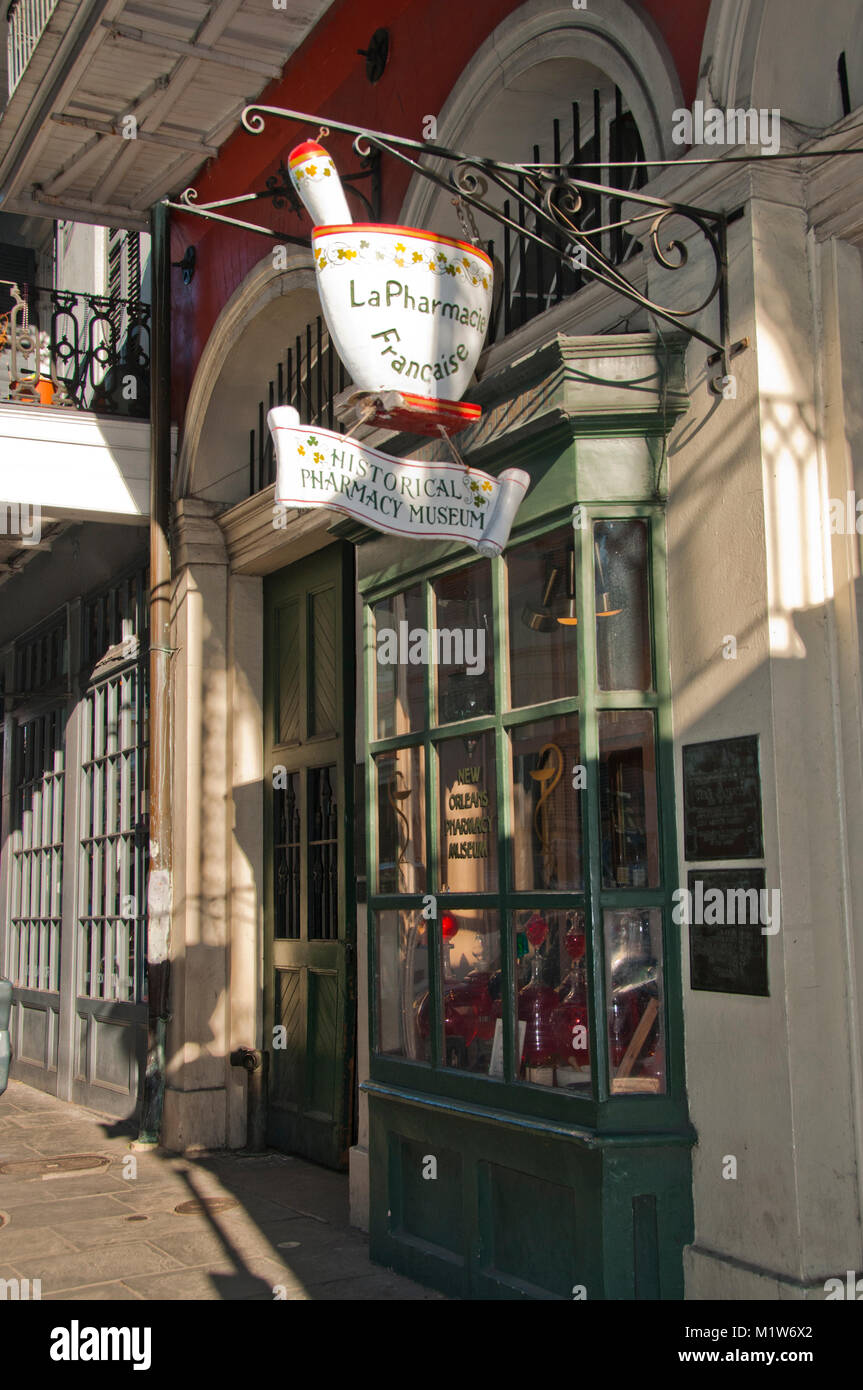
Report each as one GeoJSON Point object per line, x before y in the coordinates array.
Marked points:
{"type": "Point", "coordinates": [518, 894]}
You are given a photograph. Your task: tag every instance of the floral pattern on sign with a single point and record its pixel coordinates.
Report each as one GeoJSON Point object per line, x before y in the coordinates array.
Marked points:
{"type": "Point", "coordinates": [313, 173]}
{"type": "Point", "coordinates": [428, 256]}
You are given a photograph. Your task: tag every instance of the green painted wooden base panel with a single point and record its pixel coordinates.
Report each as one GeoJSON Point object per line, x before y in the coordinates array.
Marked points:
{"type": "Point", "coordinates": [521, 1214]}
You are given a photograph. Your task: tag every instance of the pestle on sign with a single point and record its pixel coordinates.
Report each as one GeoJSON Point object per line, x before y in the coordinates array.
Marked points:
{"type": "Point", "coordinates": [408, 312]}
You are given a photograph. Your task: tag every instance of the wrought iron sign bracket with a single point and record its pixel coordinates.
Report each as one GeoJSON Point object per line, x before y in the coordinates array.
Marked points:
{"type": "Point", "coordinates": [281, 193]}
{"type": "Point", "coordinates": [548, 199]}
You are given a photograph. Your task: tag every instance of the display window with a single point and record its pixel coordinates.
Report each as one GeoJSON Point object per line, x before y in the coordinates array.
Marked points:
{"type": "Point", "coordinates": [521, 827]}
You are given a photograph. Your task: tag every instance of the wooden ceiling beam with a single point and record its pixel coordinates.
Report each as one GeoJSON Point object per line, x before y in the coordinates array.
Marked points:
{"type": "Point", "coordinates": [182, 75]}
{"type": "Point", "coordinates": [202, 52]}
{"type": "Point", "coordinates": [174, 142]}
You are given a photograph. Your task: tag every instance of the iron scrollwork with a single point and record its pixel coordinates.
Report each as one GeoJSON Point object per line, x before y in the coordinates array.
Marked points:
{"type": "Point", "coordinates": [548, 200]}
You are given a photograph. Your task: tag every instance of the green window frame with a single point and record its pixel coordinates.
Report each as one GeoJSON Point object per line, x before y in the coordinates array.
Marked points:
{"type": "Point", "coordinates": [600, 1109]}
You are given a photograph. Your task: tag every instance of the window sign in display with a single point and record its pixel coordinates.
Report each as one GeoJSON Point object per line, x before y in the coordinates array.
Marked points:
{"type": "Point", "coordinates": [468, 815]}
{"type": "Point", "coordinates": [634, 1001]}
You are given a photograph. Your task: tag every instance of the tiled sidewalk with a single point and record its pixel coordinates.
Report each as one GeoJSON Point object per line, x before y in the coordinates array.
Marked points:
{"type": "Point", "coordinates": [100, 1235]}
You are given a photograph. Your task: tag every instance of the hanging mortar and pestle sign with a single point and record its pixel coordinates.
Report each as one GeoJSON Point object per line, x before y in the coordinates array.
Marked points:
{"type": "Point", "coordinates": [407, 311]}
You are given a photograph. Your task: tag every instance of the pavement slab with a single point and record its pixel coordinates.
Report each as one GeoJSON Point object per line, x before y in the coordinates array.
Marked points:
{"type": "Point", "coordinates": [103, 1236]}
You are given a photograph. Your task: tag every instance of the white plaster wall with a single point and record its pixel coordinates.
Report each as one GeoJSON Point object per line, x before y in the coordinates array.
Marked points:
{"type": "Point", "coordinates": [199, 1032]}
{"type": "Point", "coordinates": [244, 826]}
{"type": "Point", "coordinates": [770, 1081]}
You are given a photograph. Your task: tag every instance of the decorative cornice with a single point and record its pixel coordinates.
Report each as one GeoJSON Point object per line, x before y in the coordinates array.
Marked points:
{"type": "Point", "coordinates": [257, 542]}
{"type": "Point", "coordinates": [195, 535]}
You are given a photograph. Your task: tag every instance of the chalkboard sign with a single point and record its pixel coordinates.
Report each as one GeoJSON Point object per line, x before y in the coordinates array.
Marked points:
{"type": "Point", "coordinates": [722, 800]}
{"type": "Point", "coordinates": [728, 959]}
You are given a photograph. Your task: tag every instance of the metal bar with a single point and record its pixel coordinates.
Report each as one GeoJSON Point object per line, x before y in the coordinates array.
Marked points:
{"type": "Point", "coordinates": [522, 257]}
{"type": "Point", "coordinates": [320, 373]}
{"type": "Point", "coordinates": [540, 267]}
{"type": "Point", "coordinates": [309, 368]}
{"type": "Point", "coordinates": [330, 391]}
{"type": "Point", "coordinates": [260, 445]}
{"type": "Point", "coordinates": [555, 146]}
{"type": "Point", "coordinates": [842, 69]}
{"type": "Point", "coordinates": [270, 452]}
{"type": "Point", "coordinates": [597, 155]}
{"type": "Point", "coordinates": [614, 207]}
{"type": "Point", "coordinates": [160, 820]}
{"type": "Point", "coordinates": [229, 221]}
{"type": "Point", "coordinates": [507, 275]}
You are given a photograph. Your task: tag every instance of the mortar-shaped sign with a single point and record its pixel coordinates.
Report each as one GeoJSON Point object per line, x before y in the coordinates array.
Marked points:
{"type": "Point", "coordinates": [408, 310]}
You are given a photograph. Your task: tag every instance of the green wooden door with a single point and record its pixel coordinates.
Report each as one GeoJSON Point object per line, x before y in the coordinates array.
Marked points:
{"type": "Point", "coordinates": [310, 926]}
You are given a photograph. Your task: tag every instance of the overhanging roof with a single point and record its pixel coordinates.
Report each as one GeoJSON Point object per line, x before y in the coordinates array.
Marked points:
{"type": "Point", "coordinates": [184, 70]}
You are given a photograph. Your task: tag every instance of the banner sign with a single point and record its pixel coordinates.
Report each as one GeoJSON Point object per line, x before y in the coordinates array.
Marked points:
{"type": "Point", "coordinates": [402, 497]}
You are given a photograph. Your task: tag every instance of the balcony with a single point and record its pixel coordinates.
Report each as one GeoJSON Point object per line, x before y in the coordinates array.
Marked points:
{"type": "Point", "coordinates": [74, 403]}
{"type": "Point", "coordinates": [27, 20]}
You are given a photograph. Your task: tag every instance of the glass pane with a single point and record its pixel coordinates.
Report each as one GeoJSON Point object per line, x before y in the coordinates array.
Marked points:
{"type": "Point", "coordinates": [286, 858]}
{"type": "Point", "coordinates": [543, 619]}
{"type": "Point", "coordinates": [627, 795]}
{"type": "Point", "coordinates": [404, 1028]}
{"type": "Point", "coordinates": [546, 804]}
{"type": "Point", "coordinates": [401, 821]}
{"type": "Point", "coordinates": [323, 823]}
{"type": "Point", "coordinates": [471, 991]}
{"type": "Point", "coordinates": [468, 815]}
{"type": "Point", "coordinates": [399, 680]}
{"type": "Point", "coordinates": [633, 988]}
{"type": "Point", "coordinates": [553, 1040]}
{"type": "Point", "coordinates": [622, 605]}
{"type": "Point", "coordinates": [462, 643]}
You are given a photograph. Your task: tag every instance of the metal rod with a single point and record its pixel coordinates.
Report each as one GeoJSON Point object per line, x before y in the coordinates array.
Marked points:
{"type": "Point", "coordinates": [260, 445]}
{"type": "Point", "coordinates": [160, 829]}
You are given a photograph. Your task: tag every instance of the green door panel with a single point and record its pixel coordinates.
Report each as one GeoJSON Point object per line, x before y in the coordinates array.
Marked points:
{"type": "Point", "coordinates": [310, 922]}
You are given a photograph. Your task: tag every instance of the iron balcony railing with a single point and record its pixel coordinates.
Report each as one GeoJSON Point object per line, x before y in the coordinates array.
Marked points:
{"type": "Point", "coordinates": [308, 376]}
{"type": "Point", "coordinates": [64, 348]}
{"type": "Point", "coordinates": [26, 20]}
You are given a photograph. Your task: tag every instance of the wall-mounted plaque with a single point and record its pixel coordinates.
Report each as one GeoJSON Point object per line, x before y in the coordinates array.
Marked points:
{"type": "Point", "coordinates": [722, 800]}
{"type": "Point", "coordinates": [730, 958]}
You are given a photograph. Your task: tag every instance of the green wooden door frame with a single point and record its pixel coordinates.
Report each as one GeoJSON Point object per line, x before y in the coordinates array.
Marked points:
{"type": "Point", "coordinates": [648, 1115]}
{"type": "Point", "coordinates": [312, 1079]}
